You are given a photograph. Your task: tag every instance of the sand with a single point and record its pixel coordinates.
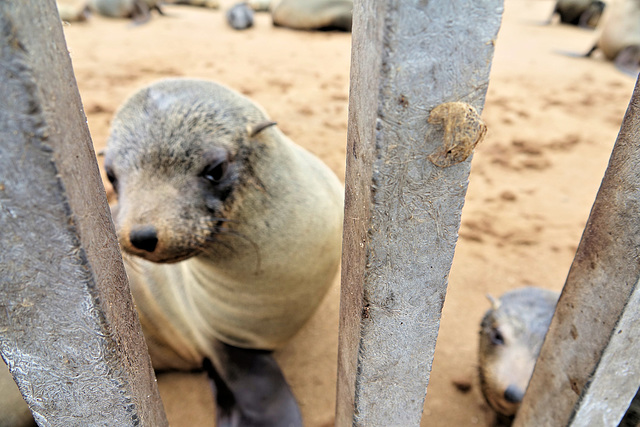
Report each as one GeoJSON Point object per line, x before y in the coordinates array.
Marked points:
{"type": "Point", "coordinates": [552, 122]}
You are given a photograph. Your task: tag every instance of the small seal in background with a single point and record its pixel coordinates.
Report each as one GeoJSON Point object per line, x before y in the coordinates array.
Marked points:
{"type": "Point", "coordinates": [240, 16]}
{"type": "Point", "coordinates": [137, 10]}
{"type": "Point", "coordinates": [619, 40]}
{"type": "Point", "coordinates": [511, 335]}
{"type": "Point", "coordinates": [582, 13]}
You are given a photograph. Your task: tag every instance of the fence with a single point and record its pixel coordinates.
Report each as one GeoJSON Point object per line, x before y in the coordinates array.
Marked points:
{"type": "Point", "coordinates": [65, 291]}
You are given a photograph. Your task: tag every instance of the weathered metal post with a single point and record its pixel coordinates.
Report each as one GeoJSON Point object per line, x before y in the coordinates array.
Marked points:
{"type": "Point", "coordinates": [68, 330]}
{"type": "Point", "coordinates": [588, 369]}
{"type": "Point", "coordinates": [407, 171]}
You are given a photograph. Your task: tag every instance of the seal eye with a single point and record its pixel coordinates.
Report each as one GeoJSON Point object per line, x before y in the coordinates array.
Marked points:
{"type": "Point", "coordinates": [215, 172]}
{"type": "Point", "coordinates": [112, 178]}
{"type": "Point", "coordinates": [496, 337]}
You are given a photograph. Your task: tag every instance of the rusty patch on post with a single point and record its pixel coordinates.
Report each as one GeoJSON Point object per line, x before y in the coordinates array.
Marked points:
{"type": "Point", "coordinates": [463, 130]}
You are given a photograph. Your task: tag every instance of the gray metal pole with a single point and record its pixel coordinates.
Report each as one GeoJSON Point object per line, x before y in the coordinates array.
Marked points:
{"type": "Point", "coordinates": [68, 329]}
{"type": "Point", "coordinates": [594, 330]}
{"type": "Point", "coordinates": [407, 171]}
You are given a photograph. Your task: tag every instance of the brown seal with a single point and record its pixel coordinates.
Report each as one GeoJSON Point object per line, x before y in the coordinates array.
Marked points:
{"type": "Point", "coordinates": [511, 335]}
{"type": "Point", "coordinates": [138, 10]}
{"type": "Point", "coordinates": [73, 11]}
{"type": "Point", "coordinates": [313, 14]}
{"type": "Point", "coordinates": [619, 40]}
{"type": "Point", "coordinates": [582, 13]}
{"type": "Point", "coordinates": [236, 232]}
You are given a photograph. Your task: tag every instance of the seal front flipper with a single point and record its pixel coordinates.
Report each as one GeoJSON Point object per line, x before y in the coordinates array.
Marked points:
{"type": "Point", "coordinates": [250, 389]}
{"type": "Point", "coordinates": [141, 13]}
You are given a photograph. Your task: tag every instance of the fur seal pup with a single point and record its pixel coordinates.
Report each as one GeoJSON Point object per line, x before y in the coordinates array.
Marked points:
{"type": "Point", "coordinates": [259, 5]}
{"type": "Point", "coordinates": [582, 13]}
{"type": "Point", "coordinates": [619, 40]}
{"type": "Point", "coordinates": [511, 335]}
{"type": "Point", "coordinates": [236, 233]}
{"type": "Point", "coordinates": [313, 14]}
{"type": "Point", "coordinates": [138, 10]}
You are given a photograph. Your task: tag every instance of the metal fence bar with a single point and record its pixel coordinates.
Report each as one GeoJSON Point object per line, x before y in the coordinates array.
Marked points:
{"type": "Point", "coordinates": [617, 376]}
{"type": "Point", "coordinates": [407, 174]}
{"type": "Point", "coordinates": [68, 329]}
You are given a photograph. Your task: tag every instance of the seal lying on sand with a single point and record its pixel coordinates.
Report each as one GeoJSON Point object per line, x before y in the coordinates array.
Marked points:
{"type": "Point", "coordinates": [73, 11]}
{"type": "Point", "coordinates": [138, 10]}
{"type": "Point", "coordinates": [620, 37]}
{"type": "Point", "coordinates": [313, 14]}
{"type": "Point", "coordinates": [583, 13]}
{"type": "Point", "coordinates": [208, 4]}
{"type": "Point", "coordinates": [237, 237]}
{"type": "Point", "coordinates": [511, 334]}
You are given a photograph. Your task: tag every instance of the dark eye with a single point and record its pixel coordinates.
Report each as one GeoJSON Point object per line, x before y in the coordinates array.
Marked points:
{"type": "Point", "coordinates": [215, 172]}
{"type": "Point", "coordinates": [496, 337]}
{"type": "Point", "coordinates": [112, 178]}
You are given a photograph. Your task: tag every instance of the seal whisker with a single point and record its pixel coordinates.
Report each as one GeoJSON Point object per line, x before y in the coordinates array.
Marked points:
{"type": "Point", "coordinates": [131, 261]}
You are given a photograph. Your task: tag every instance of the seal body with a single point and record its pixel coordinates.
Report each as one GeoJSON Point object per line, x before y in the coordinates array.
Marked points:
{"type": "Point", "coordinates": [511, 335]}
{"type": "Point", "coordinates": [313, 14]}
{"type": "Point", "coordinates": [619, 40]}
{"type": "Point", "coordinates": [260, 5]}
{"type": "Point", "coordinates": [73, 11]}
{"type": "Point", "coordinates": [138, 10]}
{"type": "Point", "coordinates": [583, 13]}
{"type": "Point", "coordinates": [235, 230]}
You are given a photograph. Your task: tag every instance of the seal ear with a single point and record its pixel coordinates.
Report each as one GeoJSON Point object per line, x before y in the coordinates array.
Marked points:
{"type": "Point", "coordinates": [495, 303]}
{"type": "Point", "coordinates": [253, 130]}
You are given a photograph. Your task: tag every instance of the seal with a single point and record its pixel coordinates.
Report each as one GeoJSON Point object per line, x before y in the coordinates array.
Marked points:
{"type": "Point", "coordinates": [259, 5]}
{"type": "Point", "coordinates": [313, 14]}
{"type": "Point", "coordinates": [582, 13]}
{"type": "Point", "coordinates": [235, 233]}
{"type": "Point", "coordinates": [619, 40]}
{"type": "Point", "coordinates": [73, 11]}
{"type": "Point", "coordinates": [511, 335]}
{"type": "Point", "coordinates": [138, 10]}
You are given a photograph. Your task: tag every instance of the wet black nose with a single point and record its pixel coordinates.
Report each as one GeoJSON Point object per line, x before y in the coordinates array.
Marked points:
{"type": "Point", "coordinates": [145, 238]}
{"type": "Point", "coordinates": [513, 394]}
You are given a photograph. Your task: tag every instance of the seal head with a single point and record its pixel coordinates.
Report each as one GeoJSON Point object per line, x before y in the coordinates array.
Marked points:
{"type": "Point", "coordinates": [176, 194]}
{"type": "Point", "coordinates": [511, 335]}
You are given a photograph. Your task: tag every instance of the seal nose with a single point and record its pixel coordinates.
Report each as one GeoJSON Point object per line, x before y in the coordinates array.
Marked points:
{"type": "Point", "coordinates": [513, 394]}
{"type": "Point", "coordinates": [145, 238]}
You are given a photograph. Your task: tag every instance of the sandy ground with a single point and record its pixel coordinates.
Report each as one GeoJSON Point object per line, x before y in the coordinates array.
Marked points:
{"type": "Point", "coordinates": [552, 122]}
